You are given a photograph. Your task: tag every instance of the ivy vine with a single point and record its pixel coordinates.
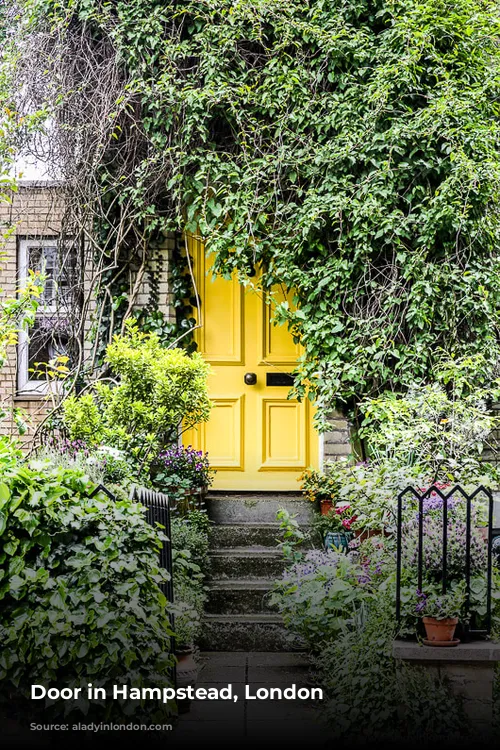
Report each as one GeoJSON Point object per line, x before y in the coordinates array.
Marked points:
{"type": "Point", "coordinates": [348, 148]}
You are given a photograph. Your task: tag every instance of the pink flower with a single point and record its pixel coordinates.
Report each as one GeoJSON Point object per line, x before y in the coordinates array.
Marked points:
{"type": "Point", "coordinates": [343, 506]}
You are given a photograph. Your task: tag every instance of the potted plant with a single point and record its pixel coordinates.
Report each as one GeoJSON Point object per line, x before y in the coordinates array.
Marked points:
{"type": "Point", "coordinates": [335, 527]}
{"type": "Point", "coordinates": [323, 486]}
{"type": "Point", "coordinates": [440, 613]}
{"type": "Point", "coordinates": [187, 624]}
{"type": "Point", "coordinates": [184, 474]}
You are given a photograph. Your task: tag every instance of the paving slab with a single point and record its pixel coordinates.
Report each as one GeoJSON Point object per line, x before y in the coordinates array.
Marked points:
{"type": "Point", "coordinates": [220, 711]}
{"type": "Point", "coordinates": [247, 720]}
{"type": "Point", "coordinates": [218, 659]}
{"type": "Point", "coordinates": [295, 730]}
{"type": "Point", "coordinates": [211, 673]}
{"type": "Point", "coordinates": [279, 675]}
{"type": "Point", "coordinates": [285, 659]}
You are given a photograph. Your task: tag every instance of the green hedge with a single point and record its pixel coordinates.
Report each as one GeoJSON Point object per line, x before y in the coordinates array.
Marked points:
{"type": "Point", "coordinates": [79, 595]}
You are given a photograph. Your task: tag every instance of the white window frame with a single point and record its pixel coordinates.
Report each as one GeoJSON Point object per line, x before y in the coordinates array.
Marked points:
{"type": "Point", "coordinates": [26, 386]}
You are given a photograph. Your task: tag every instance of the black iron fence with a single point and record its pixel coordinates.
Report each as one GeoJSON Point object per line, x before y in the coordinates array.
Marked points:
{"type": "Point", "coordinates": [411, 499]}
{"type": "Point", "coordinates": [158, 512]}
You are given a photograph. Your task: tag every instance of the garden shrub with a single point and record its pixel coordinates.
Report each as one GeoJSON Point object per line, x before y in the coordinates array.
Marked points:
{"type": "Point", "coordinates": [190, 547]}
{"type": "Point", "coordinates": [101, 464]}
{"type": "Point", "coordinates": [441, 428]}
{"type": "Point", "coordinates": [320, 596]}
{"type": "Point", "coordinates": [370, 698]}
{"type": "Point", "coordinates": [158, 393]}
{"type": "Point", "coordinates": [182, 468]}
{"type": "Point", "coordinates": [433, 434]}
{"type": "Point", "coordinates": [79, 594]}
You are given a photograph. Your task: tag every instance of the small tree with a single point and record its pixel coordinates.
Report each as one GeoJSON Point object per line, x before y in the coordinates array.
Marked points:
{"type": "Point", "coordinates": [158, 393]}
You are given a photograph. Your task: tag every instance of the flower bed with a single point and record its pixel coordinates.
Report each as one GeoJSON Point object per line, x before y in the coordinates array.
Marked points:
{"type": "Point", "coordinates": [343, 603]}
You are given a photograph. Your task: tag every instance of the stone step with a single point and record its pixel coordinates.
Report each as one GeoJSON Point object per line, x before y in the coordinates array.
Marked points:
{"type": "Point", "coordinates": [246, 562]}
{"type": "Point", "coordinates": [241, 535]}
{"type": "Point", "coordinates": [258, 632]}
{"type": "Point", "coordinates": [239, 596]}
{"type": "Point", "coordinates": [246, 534]}
{"type": "Point", "coordinates": [257, 509]}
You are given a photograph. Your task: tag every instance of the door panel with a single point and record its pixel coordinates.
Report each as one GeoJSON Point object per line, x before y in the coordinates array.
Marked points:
{"type": "Point", "coordinates": [256, 438]}
{"type": "Point", "coordinates": [283, 435]}
{"type": "Point", "coordinates": [278, 348]}
{"type": "Point", "coordinates": [224, 433]}
{"type": "Point", "coordinates": [222, 341]}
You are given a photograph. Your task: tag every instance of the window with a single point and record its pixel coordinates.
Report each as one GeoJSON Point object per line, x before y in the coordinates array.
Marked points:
{"type": "Point", "coordinates": [49, 336]}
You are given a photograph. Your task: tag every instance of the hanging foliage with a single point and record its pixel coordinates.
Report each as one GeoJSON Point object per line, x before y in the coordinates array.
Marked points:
{"type": "Point", "coordinates": [350, 148]}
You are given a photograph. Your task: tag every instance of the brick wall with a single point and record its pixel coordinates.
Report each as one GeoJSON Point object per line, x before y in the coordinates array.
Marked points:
{"type": "Point", "coordinates": [36, 212]}
{"type": "Point", "coordinates": [337, 441]}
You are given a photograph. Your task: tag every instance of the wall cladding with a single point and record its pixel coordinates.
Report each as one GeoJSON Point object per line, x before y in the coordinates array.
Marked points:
{"type": "Point", "coordinates": [36, 211]}
{"type": "Point", "coordinates": [337, 441]}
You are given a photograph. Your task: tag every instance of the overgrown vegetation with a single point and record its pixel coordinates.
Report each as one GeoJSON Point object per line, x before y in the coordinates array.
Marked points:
{"type": "Point", "coordinates": [350, 150]}
{"type": "Point", "coordinates": [190, 544]}
{"type": "Point", "coordinates": [153, 394]}
{"type": "Point", "coordinates": [79, 595]}
{"type": "Point", "coordinates": [343, 604]}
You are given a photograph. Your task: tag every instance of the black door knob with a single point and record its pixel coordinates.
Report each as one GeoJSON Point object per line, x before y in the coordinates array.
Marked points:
{"type": "Point", "coordinates": [250, 378]}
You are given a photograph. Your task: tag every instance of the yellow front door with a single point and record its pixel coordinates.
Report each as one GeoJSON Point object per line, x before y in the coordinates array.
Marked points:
{"type": "Point", "coordinates": [256, 438]}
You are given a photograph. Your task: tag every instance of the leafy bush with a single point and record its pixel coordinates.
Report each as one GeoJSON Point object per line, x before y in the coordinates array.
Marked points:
{"type": "Point", "coordinates": [442, 428]}
{"type": "Point", "coordinates": [320, 596]}
{"type": "Point", "coordinates": [433, 433]}
{"type": "Point", "coordinates": [102, 464]}
{"type": "Point", "coordinates": [159, 393]}
{"type": "Point", "coordinates": [369, 697]}
{"type": "Point", "coordinates": [79, 595]}
{"type": "Point", "coordinates": [190, 546]}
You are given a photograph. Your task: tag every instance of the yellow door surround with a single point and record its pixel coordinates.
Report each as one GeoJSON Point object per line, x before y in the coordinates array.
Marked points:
{"type": "Point", "coordinates": [256, 438]}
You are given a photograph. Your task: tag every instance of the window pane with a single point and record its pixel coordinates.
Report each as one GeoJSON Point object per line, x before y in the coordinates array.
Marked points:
{"type": "Point", "coordinates": [48, 338]}
{"type": "Point", "coordinates": [58, 275]}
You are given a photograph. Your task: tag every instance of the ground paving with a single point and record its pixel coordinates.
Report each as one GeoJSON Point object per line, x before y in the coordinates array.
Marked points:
{"type": "Point", "coordinates": [248, 721]}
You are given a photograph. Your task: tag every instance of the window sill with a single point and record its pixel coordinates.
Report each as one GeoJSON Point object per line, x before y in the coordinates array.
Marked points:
{"type": "Point", "coordinates": [30, 396]}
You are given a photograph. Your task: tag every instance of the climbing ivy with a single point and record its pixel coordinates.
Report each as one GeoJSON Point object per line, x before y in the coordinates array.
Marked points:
{"type": "Point", "coordinates": [350, 148]}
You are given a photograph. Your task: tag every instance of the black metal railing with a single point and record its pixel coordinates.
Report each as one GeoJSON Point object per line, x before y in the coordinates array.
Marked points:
{"type": "Point", "coordinates": [409, 494]}
{"type": "Point", "coordinates": [158, 512]}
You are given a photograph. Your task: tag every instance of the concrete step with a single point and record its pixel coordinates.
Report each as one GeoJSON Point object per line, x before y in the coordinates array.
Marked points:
{"type": "Point", "coordinates": [246, 562]}
{"type": "Point", "coordinates": [246, 534]}
{"type": "Point", "coordinates": [257, 632]}
{"type": "Point", "coordinates": [257, 509]}
{"type": "Point", "coordinates": [239, 596]}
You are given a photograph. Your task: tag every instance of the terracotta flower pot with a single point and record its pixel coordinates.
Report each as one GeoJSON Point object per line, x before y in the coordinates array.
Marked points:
{"type": "Point", "coordinates": [364, 534]}
{"type": "Point", "coordinates": [326, 506]}
{"type": "Point", "coordinates": [187, 675]}
{"type": "Point", "coordinates": [440, 630]}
